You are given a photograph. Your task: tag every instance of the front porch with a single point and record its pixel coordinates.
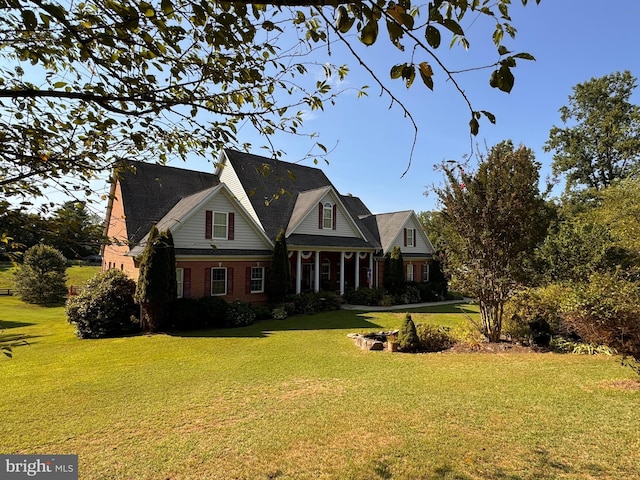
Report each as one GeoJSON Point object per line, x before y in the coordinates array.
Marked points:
{"type": "Point", "coordinates": [315, 270]}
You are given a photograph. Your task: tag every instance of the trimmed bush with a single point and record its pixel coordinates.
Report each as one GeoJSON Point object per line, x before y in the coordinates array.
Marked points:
{"type": "Point", "coordinates": [183, 314]}
{"type": "Point", "coordinates": [240, 314]}
{"type": "Point", "coordinates": [105, 306]}
{"type": "Point", "coordinates": [202, 313]}
{"type": "Point", "coordinates": [433, 338]}
{"type": "Point", "coordinates": [310, 303]}
{"type": "Point", "coordinates": [213, 311]}
{"type": "Point", "coordinates": [408, 340]}
{"type": "Point", "coordinates": [411, 294]}
{"type": "Point", "coordinates": [279, 313]}
{"type": "Point", "coordinates": [364, 296]}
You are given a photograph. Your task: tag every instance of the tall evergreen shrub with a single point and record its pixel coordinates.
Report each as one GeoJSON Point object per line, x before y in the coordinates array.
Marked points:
{"type": "Point", "coordinates": [393, 275]}
{"type": "Point", "coordinates": [279, 274]}
{"type": "Point", "coordinates": [408, 340]}
{"type": "Point", "coordinates": [157, 285]}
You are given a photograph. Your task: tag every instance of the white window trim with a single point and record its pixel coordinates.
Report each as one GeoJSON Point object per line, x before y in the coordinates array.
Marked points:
{"type": "Point", "coordinates": [411, 242]}
{"type": "Point", "coordinates": [214, 224]}
{"type": "Point", "coordinates": [261, 290]}
{"type": "Point", "coordinates": [225, 281]}
{"type": "Point", "coordinates": [327, 207]}
{"type": "Point", "coordinates": [410, 275]}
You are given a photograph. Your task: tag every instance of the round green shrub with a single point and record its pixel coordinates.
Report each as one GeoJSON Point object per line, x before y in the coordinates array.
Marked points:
{"type": "Point", "coordinates": [364, 296]}
{"type": "Point", "coordinates": [105, 306]}
{"type": "Point", "coordinates": [213, 311]}
{"type": "Point", "coordinates": [183, 314]}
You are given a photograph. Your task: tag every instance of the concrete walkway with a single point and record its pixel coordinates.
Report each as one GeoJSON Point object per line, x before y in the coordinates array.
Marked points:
{"type": "Point", "coordinates": [405, 306]}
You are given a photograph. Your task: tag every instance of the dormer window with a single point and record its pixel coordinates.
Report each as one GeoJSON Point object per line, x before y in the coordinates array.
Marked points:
{"type": "Point", "coordinates": [219, 225]}
{"type": "Point", "coordinates": [327, 216]}
{"type": "Point", "coordinates": [409, 237]}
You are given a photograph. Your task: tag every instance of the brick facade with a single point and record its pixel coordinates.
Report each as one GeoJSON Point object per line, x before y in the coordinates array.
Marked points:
{"type": "Point", "coordinates": [115, 253]}
{"type": "Point", "coordinates": [197, 279]}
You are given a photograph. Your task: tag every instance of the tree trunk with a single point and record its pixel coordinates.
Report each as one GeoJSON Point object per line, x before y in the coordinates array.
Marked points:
{"type": "Point", "coordinates": [491, 316]}
{"type": "Point", "coordinates": [150, 317]}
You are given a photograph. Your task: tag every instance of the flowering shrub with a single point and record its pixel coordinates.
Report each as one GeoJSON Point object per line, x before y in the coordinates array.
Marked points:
{"type": "Point", "coordinates": [279, 313]}
{"type": "Point", "coordinates": [240, 314]}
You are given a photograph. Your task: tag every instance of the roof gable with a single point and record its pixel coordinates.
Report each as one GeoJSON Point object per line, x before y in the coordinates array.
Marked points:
{"type": "Point", "coordinates": [390, 228]}
{"type": "Point", "coordinates": [272, 186]}
{"type": "Point", "coordinates": [304, 218]}
{"type": "Point", "coordinates": [192, 207]}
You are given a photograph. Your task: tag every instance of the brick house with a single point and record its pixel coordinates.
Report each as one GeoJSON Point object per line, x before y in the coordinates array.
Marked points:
{"type": "Point", "coordinates": [224, 226]}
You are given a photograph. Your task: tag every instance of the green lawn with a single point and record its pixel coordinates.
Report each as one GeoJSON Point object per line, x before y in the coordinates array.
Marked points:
{"type": "Point", "coordinates": [295, 399]}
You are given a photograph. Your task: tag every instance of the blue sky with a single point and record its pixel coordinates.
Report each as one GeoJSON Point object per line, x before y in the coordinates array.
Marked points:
{"type": "Point", "coordinates": [572, 41]}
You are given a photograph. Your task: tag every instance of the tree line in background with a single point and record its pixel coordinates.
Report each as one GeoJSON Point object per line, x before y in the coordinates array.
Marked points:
{"type": "Point", "coordinates": [71, 229]}
{"type": "Point", "coordinates": [567, 268]}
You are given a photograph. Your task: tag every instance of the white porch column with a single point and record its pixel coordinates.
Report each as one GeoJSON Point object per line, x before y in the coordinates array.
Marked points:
{"type": "Point", "coordinates": [341, 273]}
{"type": "Point", "coordinates": [357, 272]}
{"type": "Point", "coordinates": [299, 272]}
{"type": "Point", "coordinates": [371, 269]}
{"type": "Point", "coordinates": [316, 279]}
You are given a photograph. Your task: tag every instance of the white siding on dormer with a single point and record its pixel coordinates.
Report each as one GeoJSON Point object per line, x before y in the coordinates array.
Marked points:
{"type": "Point", "coordinates": [344, 227]}
{"type": "Point", "coordinates": [420, 244]}
{"type": "Point", "coordinates": [191, 234]}
{"type": "Point", "coordinates": [229, 177]}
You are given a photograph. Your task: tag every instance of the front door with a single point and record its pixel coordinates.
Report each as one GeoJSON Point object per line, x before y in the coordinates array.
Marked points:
{"type": "Point", "coordinates": [308, 277]}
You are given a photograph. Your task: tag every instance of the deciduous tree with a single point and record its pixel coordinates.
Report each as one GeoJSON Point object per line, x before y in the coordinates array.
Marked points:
{"type": "Point", "coordinates": [600, 143]}
{"type": "Point", "coordinates": [494, 218]}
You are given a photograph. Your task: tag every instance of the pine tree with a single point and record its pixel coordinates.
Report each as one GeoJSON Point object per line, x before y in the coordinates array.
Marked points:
{"type": "Point", "coordinates": [408, 340]}
{"type": "Point", "coordinates": [42, 277]}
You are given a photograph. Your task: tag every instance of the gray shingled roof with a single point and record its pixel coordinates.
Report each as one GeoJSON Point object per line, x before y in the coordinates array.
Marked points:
{"type": "Point", "coordinates": [264, 178]}
{"type": "Point", "coordinates": [151, 190]}
{"type": "Point", "coordinates": [152, 193]}
{"type": "Point", "coordinates": [388, 225]}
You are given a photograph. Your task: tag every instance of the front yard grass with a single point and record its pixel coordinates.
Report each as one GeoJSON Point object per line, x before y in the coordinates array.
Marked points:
{"type": "Point", "coordinates": [295, 399]}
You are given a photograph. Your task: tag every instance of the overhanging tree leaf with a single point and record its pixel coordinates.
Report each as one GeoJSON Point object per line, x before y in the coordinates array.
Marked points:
{"type": "Point", "coordinates": [185, 74]}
